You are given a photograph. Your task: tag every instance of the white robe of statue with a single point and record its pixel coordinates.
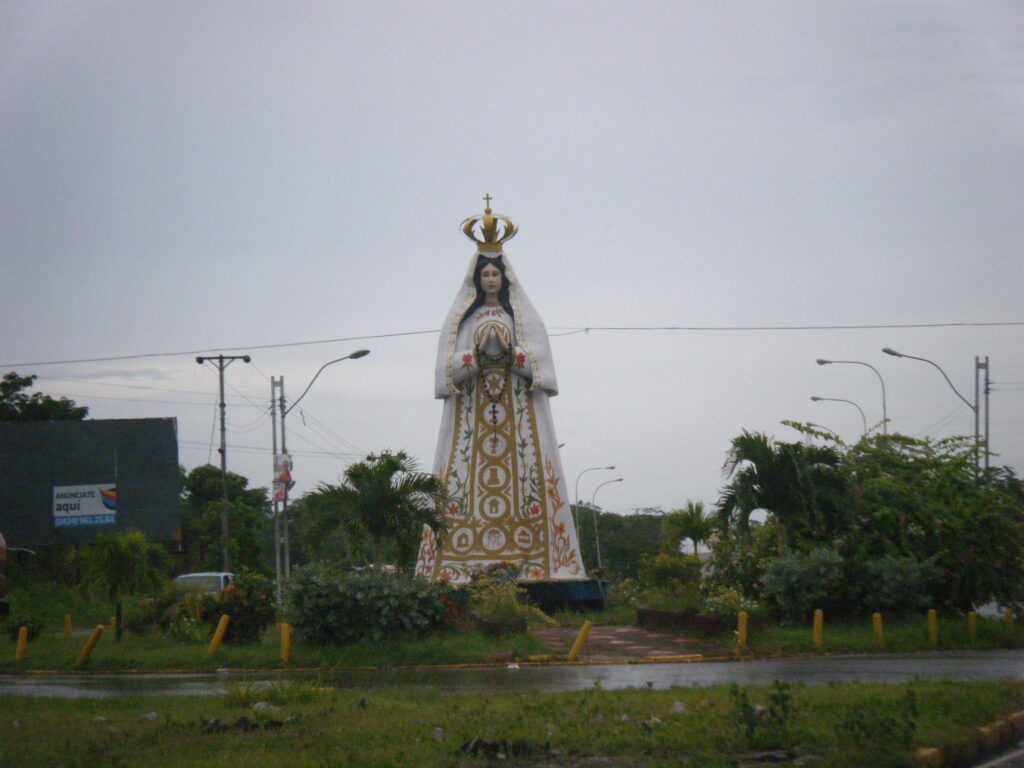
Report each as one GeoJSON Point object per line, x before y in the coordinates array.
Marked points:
{"type": "Point", "coordinates": [497, 452]}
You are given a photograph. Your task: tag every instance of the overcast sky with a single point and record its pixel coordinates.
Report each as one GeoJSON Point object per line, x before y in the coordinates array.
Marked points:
{"type": "Point", "coordinates": [247, 176]}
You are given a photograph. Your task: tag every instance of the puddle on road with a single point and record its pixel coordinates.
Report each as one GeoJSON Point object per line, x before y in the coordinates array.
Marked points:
{"type": "Point", "coordinates": [988, 665]}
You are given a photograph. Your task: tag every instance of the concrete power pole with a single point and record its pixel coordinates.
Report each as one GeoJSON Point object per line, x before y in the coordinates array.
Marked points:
{"type": "Point", "coordinates": [222, 362]}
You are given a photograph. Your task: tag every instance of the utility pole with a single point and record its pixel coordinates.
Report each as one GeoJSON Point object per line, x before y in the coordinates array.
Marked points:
{"type": "Point", "coordinates": [988, 388]}
{"type": "Point", "coordinates": [274, 384]}
{"type": "Point", "coordinates": [222, 362]}
{"type": "Point", "coordinates": [286, 567]}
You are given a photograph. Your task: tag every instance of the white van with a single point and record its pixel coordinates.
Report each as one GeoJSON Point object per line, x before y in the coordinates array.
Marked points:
{"type": "Point", "coordinates": [209, 581]}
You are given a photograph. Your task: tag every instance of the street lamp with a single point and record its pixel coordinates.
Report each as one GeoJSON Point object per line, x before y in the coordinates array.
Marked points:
{"type": "Point", "coordinates": [284, 448]}
{"type": "Point", "coordinates": [885, 419]}
{"type": "Point", "coordinates": [581, 474]}
{"type": "Point", "coordinates": [822, 426]}
{"type": "Point", "coordinates": [597, 541]}
{"type": "Point", "coordinates": [354, 356]}
{"type": "Point", "coordinates": [863, 418]}
{"type": "Point", "coordinates": [978, 365]}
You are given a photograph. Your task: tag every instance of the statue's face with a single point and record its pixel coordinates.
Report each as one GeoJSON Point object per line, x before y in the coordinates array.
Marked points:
{"type": "Point", "coordinates": [490, 280]}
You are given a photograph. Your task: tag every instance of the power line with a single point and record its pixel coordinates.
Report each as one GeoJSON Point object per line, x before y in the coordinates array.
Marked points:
{"type": "Point", "coordinates": [568, 330]}
{"type": "Point", "coordinates": [114, 358]}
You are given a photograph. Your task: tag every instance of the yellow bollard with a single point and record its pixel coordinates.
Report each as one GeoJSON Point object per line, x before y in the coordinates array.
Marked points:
{"type": "Point", "coordinates": [67, 626]}
{"type": "Point", "coordinates": [972, 625]}
{"type": "Point", "coordinates": [933, 628]}
{"type": "Point", "coordinates": [1008, 615]}
{"type": "Point", "coordinates": [876, 626]}
{"type": "Point", "coordinates": [819, 621]}
{"type": "Point", "coordinates": [218, 634]}
{"type": "Point", "coordinates": [286, 642]}
{"type": "Point", "coordinates": [90, 644]}
{"type": "Point", "coordinates": [577, 645]}
{"type": "Point", "coordinates": [19, 652]}
{"type": "Point", "coordinates": [741, 634]}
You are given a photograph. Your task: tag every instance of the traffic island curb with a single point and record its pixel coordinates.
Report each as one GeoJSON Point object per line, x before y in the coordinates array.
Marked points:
{"type": "Point", "coordinates": [979, 743]}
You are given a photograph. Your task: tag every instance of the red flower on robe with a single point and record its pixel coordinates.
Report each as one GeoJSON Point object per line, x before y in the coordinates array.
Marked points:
{"type": "Point", "coordinates": [535, 509]}
{"type": "Point", "coordinates": [467, 360]}
{"type": "Point", "coordinates": [520, 360]}
{"type": "Point", "coordinates": [453, 509]}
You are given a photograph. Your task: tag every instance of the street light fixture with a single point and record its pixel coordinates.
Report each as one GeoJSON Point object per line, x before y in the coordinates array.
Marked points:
{"type": "Point", "coordinates": [581, 474]}
{"type": "Point", "coordinates": [885, 418]}
{"type": "Point", "coordinates": [863, 418]}
{"type": "Point", "coordinates": [978, 365]}
{"type": "Point", "coordinates": [597, 541]}
{"type": "Point", "coordinates": [354, 356]}
{"type": "Point", "coordinates": [284, 449]}
{"type": "Point", "coordinates": [822, 426]}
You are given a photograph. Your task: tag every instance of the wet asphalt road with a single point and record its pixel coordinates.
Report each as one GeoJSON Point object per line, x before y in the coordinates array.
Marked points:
{"type": "Point", "coordinates": [816, 670]}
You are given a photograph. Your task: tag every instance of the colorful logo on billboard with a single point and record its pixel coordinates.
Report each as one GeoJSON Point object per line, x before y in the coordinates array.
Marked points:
{"type": "Point", "coordinates": [79, 505]}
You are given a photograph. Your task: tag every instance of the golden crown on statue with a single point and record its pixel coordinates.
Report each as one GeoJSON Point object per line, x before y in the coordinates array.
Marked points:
{"type": "Point", "coordinates": [487, 228]}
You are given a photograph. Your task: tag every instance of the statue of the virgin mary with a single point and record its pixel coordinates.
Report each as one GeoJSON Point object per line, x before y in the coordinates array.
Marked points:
{"type": "Point", "coordinates": [497, 453]}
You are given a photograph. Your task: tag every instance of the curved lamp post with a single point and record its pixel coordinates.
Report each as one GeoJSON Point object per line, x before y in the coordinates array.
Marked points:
{"type": "Point", "coordinates": [597, 541]}
{"type": "Point", "coordinates": [284, 448]}
{"type": "Point", "coordinates": [822, 426]}
{"type": "Point", "coordinates": [885, 418]}
{"type": "Point", "coordinates": [354, 356]}
{"type": "Point", "coordinates": [972, 406]}
{"type": "Point", "coordinates": [576, 493]}
{"type": "Point", "coordinates": [863, 418]}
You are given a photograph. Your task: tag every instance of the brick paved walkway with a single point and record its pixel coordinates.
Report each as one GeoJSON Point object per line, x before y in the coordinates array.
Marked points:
{"type": "Point", "coordinates": [623, 643]}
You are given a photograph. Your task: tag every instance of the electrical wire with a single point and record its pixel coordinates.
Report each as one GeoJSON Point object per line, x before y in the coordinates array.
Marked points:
{"type": "Point", "coordinates": [341, 440]}
{"type": "Point", "coordinates": [569, 329]}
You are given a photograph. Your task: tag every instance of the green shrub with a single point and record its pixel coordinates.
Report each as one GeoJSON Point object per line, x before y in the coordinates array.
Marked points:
{"type": "Point", "coordinates": [678, 598]}
{"type": "Point", "coordinates": [50, 602]}
{"type": "Point", "coordinates": [330, 607]}
{"type": "Point", "coordinates": [669, 571]}
{"type": "Point", "coordinates": [249, 601]}
{"type": "Point", "coordinates": [495, 598]}
{"type": "Point", "coordinates": [899, 584]}
{"type": "Point", "coordinates": [15, 622]}
{"type": "Point", "coordinates": [722, 601]}
{"type": "Point", "coordinates": [797, 583]}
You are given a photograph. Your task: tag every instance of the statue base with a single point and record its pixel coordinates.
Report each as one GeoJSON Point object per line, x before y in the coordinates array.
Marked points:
{"type": "Point", "coordinates": [552, 595]}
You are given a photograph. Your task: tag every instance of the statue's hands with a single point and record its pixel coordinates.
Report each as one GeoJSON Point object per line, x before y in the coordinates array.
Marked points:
{"type": "Point", "coordinates": [497, 339]}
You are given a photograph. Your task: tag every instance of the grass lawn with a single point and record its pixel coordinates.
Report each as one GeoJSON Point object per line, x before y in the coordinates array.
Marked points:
{"type": "Point", "coordinates": [150, 653]}
{"type": "Point", "coordinates": [829, 726]}
{"type": "Point", "coordinates": [900, 635]}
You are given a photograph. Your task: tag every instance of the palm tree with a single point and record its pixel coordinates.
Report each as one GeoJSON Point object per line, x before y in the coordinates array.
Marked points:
{"type": "Point", "coordinates": [124, 563]}
{"type": "Point", "coordinates": [384, 497]}
{"type": "Point", "coordinates": [801, 486]}
{"type": "Point", "coordinates": [688, 523]}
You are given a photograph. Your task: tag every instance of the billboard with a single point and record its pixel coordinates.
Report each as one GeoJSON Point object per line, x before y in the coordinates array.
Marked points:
{"type": "Point", "coordinates": [75, 505]}
{"type": "Point", "coordinates": [63, 482]}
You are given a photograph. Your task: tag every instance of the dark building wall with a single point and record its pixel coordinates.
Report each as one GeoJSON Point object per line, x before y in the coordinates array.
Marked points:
{"type": "Point", "coordinates": [139, 456]}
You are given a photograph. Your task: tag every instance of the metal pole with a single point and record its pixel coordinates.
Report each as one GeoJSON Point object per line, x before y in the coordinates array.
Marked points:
{"type": "Point", "coordinates": [577, 494]}
{"type": "Point", "coordinates": [863, 418]}
{"type": "Point", "coordinates": [885, 415]}
{"type": "Point", "coordinates": [285, 410]}
{"type": "Point", "coordinates": [597, 539]}
{"type": "Point", "coordinates": [274, 504]}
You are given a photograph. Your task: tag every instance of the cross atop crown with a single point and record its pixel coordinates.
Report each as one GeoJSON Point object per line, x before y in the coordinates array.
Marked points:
{"type": "Point", "coordinates": [490, 238]}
